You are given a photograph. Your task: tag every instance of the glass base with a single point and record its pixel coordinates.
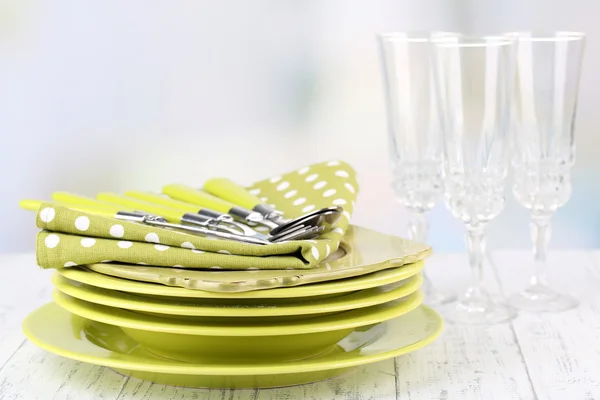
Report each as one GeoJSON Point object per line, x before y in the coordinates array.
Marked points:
{"type": "Point", "coordinates": [477, 308]}
{"type": "Point", "coordinates": [433, 296]}
{"type": "Point", "coordinates": [542, 298]}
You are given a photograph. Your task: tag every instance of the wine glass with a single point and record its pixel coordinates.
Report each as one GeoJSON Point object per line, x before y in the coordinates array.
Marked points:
{"type": "Point", "coordinates": [545, 103]}
{"type": "Point", "coordinates": [414, 132]}
{"type": "Point", "coordinates": [473, 82]}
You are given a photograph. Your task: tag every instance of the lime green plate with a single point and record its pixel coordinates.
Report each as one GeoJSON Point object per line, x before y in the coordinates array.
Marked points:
{"type": "Point", "coordinates": [263, 311]}
{"type": "Point", "coordinates": [361, 252]}
{"type": "Point", "coordinates": [373, 279]}
{"type": "Point", "coordinates": [194, 341]}
{"type": "Point", "coordinates": [60, 332]}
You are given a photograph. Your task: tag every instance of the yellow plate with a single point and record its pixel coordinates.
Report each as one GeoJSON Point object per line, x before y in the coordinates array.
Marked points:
{"type": "Point", "coordinates": [373, 279]}
{"type": "Point", "coordinates": [60, 332]}
{"type": "Point", "coordinates": [247, 312]}
{"type": "Point", "coordinates": [361, 252]}
{"type": "Point", "coordinates": [194, 341]}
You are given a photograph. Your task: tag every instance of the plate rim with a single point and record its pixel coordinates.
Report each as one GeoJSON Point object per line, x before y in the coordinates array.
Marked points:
{"type": "Point", "coordinates": [172, 367]}
{"type": "Point", "coordinates": [328, 323]}
{"type": "Point", "coordinates": [373, 279]}
{"type": "Point", "coordinates": [305, 276]}
{"type": "Point", "coordinates": [368, 297]}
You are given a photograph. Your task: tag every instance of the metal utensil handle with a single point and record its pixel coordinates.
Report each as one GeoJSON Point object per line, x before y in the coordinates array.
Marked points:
{"type": "Point", "coordinates": [203, 217]}
{"type": "Point", "coordinates": [209, 222]}
{"type": "Point", "coordinates": [193, 215]}
{"type": "Point", "coordinates": [203, 199]}
{"type": "Point", "coordinates": [228, 190]}
{"type": "Point", "coordinates": [224, 221]}
{"type": "Point", "coordinates": [215, 214]}
{"type": "Point", "coordinates": [209, 232]}
{"type": "Point", "coordinates": [135, 216]}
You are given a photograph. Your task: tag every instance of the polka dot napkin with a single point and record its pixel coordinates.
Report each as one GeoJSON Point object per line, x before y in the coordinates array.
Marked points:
{"type": "Point", "coordinates": [69, 237]}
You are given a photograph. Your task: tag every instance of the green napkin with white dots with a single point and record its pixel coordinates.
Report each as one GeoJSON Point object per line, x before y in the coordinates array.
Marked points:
{"type": "Point", "coordinates": [70, 238]}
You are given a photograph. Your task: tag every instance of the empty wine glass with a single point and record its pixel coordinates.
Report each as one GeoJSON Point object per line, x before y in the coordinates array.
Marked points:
{"type": "Point", "coordinates": [473, 82]}
{"type": "Point", "coordinates": [545, 102]}
{"type": "Point", "coordinates": [414, 132]}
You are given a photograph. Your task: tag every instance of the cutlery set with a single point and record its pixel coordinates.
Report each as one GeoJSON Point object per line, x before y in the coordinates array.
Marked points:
{"type": "Point", "coordinates": [218, 210]}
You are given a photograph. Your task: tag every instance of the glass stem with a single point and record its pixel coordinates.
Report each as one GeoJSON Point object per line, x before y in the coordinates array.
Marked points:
{"type": "Point", "coordinates": [418, 227]}
{"type": "Point", "coordinates": [475, 249]}
{"type": "Point", "coordinates": [540, 234]}
{"type": "Point", "coordinates": [417, 231]}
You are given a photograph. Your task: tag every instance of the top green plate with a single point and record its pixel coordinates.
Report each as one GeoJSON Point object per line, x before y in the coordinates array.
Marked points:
{"type": "Point", "coordinates": [362, 251]}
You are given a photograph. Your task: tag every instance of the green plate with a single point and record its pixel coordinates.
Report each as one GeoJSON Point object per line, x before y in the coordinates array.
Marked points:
{"type": "Point", "coordinates": [194, 341]}
{"type": "Point", "coordinates": [60, 332]}
{"type": "Point", "coordinates": [367, 281]}
{"type": "Point", "coordinates": [361, 252]}
{"type": "Point", "coordinates": [264, 311]}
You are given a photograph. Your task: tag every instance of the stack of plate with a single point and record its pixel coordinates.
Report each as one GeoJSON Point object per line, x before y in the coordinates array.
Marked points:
{"type": "Point", "coordinates": [243, 329]}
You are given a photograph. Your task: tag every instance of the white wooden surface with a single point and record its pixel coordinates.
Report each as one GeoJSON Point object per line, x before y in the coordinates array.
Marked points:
{"type": "Point", "coordinates": [534, 357]}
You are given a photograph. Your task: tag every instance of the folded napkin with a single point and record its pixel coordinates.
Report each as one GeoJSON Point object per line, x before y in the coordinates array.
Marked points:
{"type": "Point", "coordinates": [70, 238]}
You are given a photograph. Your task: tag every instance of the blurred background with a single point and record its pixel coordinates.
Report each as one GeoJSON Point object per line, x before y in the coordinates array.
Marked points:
{"type": "Point", "coordinates": [115, 95]}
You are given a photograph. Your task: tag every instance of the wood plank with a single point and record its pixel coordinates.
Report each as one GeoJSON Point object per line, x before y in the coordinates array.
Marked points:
{"type": "Point", "coordinates": [20, 294]}
{"type": "Point", "coordinates": [466, 362]}
{"type": "Point", "coordinates": [594, 256]}
{"type": "Point", "coordinates": [33, 373]}
{"type": "Point", "coordinates": [375, 381]}
{"type": "Point", "coordinates": [27, 372]}
{"type": "Point", "coordinates": [561, 350]}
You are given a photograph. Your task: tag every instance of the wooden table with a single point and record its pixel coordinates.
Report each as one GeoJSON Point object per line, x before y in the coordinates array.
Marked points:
{"type": "Point", "coordinates": [555, 356]}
